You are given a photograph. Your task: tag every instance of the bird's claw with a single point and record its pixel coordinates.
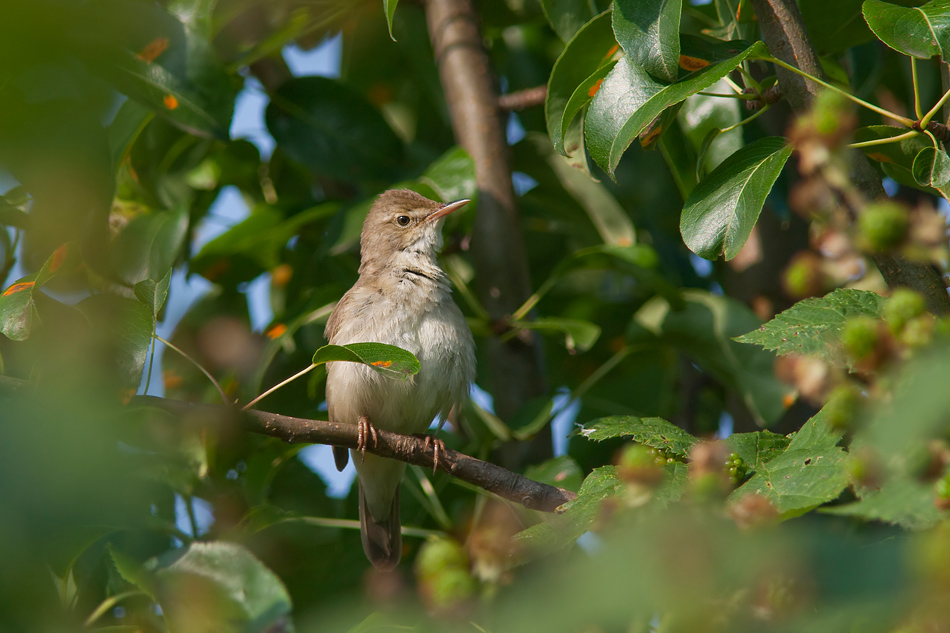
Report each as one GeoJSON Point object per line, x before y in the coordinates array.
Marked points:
{"type": "Point", "coordinates": [438, 446]}
{"type": "Point", "coordinates": [364, 431]}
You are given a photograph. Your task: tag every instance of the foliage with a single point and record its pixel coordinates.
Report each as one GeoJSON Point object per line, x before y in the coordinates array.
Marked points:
{"type": "Point", "coordinates": [116, 153]}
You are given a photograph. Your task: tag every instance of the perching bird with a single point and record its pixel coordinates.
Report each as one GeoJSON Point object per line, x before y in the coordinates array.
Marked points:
{"type": "Point", "coordinates": [401, 298]}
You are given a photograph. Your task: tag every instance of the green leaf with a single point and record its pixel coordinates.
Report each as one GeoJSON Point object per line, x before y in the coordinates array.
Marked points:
{"type": "Point", "coordinates": [562, 472]}
{"type": "Point", "coordinates": [703, 329]}
{"type": "Point", "coordinates": [920, 32]}
{"type": "Point", "coordinates": [649, 32]}
{"type": "Point", "coordinates": [601, 484]}
{"type": "Point", "coordinates": [389, 7]}
{"type": "Point", "coordinates": [653, 432]}
{"type": "Point", "coordinates": [18, 301]}
{"type": "Point", "coordinates": [931, 168]}
{"type": "Point", "coordinates": [153, 293]}
{"type": "Point", "coordinates": [834, 26]}
{"type": "Point", "coordinates": [148, 246]}
{"type": "Point", "coordinates": [221, 583]}
{"type": "Point", "coordinates": [720, 212]}
{"type": "Point", "coordinates": [810, 472]}
{"type": "Point", "coordinates": [896, 159]}
{"type": "Point", "coordinates": [452, 176]}
{"type": "Point", "coordinates": [332, 129]}
{"type": "Point", "coordinates": [629, 99]}
{"type": "Point", "coordinates": [128, 123]}
{"type": "Point", "coordinates": [567, 17]}
{"type": "Point", "coordinates": [583, 63]}
{"type": "Point", "coordinates": [132, 324]}
{"type": "Point", "coordinates": [757, 448]}
{"type": "Point", "coordinates": [903, 501]}
{"type": "Point", "coordinates": [578, 335]}
{"type": "Point", "coordinates": [388, 360]}
{"type": "Point", "coordinates": [812, 327]}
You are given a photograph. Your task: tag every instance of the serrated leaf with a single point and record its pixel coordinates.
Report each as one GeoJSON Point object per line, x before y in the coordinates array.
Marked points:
{"type": "Point", "coordinates": [629, 99]}
{"type": "Point", "coordinates": [931, 168]}
{"type": "Point", "coordinates": [389, 7]}
{"type": "Point", "coordinates": [649, 32]}
{"type": "Point", "coordinates": [757, 448]}
{"type": "Point", "coordinates": [331, 128]}
{"type": "Point", "coordinates": [388, 360]}
{"type": "Point", "coordinates": [906, 502]}
{"type": "Point", "coordinates": [811, 327]}
{"type": "Point", "coordinates": [653, 432]}
{"type": "Point", "coordinates": [721, 211]}
{"type": "Point", "coordinates": [582, 65]}
{"type": "Point", "coordinates": [220, 583]}
{"type": "Point", "coordinates": [920, 32]}
{"type": "Point", "coordinates": [578, 335]}
{"type": "Point", "coordinates": [810, 472]}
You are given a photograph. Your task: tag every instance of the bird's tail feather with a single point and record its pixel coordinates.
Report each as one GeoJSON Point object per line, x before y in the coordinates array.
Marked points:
{"type": "Point", "coordinates": [382, 540]}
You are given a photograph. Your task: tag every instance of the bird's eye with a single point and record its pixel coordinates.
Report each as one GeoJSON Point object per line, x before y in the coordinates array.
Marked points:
{"type": "Point", "coordinates": [403, 220]}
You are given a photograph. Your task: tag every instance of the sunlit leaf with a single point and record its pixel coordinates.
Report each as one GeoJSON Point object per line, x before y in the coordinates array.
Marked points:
{"type": "Point", "coordinates": [653, 432]}
{"type": "Point", "coordinates": [388, 360]}
{"type": "Point", "coordinates": [18, 309]}
{"type": "Point", "coordinates": [629, 99]}
{"type": "Point", "coordinates": [648, 31]}
{"type": "Point", "coordinates": [720, 212]}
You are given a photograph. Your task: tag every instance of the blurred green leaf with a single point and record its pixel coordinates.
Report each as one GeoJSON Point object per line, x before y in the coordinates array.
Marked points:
{"type": "Point", "coordinates": [812, 326]}
{"type": "Point", "coordinates": [129, 121]}
{"type": "Point", "coordinates": [720, 212]}
{"type": "Point", "coordinates": [559, 471]}
{"type": "Point", "coordinates": [653, 432]}
{"type": "Point", "coordinates": [388, 360]}
{"type": "Point", "coordinates": [567, 17]}
{"type": "Point", "coordinates": [649, 32]}
{"type": "Point", "coordinates": [835, 26]}
{"type": "Point", "coordinates": [222, 586]}
{"type": "Point", "coordinates": [389, 6]}
{"type": "Point", "coordinates": [153, 293]}
{"type": "Point", "coordinates": [132, 322]}
{"type": "Point", "coordinates": [331, 128]}
{"type": "Point", "coordinates": [576, 75]}
{"type": "Point", "coordinates": [903, 501]}
{"type": "Point", "coordinates": [18, 301]}
{"type": "Point", "coordinates": [920, 32]}
{"type": "Point", "coordinates": [578, 335]}
{"type": "Point", "coordinates": [452, 176]}
{"type": "Point", "coordinates": [810, 472]}
{"type": "Point", "coordinates": [703, 329]}
{"type": "Point", "coordinates": [149, 245]}
{"type": "Point", "coordinates": [629, 99]}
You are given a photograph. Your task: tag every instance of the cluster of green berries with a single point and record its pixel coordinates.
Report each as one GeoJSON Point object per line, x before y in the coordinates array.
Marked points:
{"type": "Point", "coordinates": [736, 468]}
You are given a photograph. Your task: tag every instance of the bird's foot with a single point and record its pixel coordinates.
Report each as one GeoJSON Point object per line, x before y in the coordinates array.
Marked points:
{"type": "Point", "coordinates": [364, 431]}
{"type": "Point", "coordinates": [438, 446]}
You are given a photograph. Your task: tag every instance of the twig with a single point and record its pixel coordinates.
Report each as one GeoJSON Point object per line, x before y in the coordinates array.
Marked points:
{"type": "Point", "coordinates": [522, 99]}
{"type": "Point", "coordinates": [405, 448]}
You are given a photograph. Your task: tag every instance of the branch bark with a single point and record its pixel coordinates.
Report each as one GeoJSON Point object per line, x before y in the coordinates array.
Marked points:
{"type": "Point", "coordinates": [410, 449]}
{"type": "Point", "coordinates": [503, 282]}
{"type": "Point", "coordinates": [783, 30]}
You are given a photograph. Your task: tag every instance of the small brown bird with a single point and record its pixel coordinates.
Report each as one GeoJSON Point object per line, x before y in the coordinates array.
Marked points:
{"type": "Point", "coordinates": [401, 298]}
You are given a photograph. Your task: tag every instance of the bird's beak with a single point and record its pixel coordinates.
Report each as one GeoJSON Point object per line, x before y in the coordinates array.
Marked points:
{"type": "Point", "coordinates": [446, 209]}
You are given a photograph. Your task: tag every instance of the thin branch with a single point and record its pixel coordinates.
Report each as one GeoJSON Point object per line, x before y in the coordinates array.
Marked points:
{"type": "Point", "coordinates": [523, 99]}
{"type": "Point", "coordinates": [410, 449]}
{"type": "Point", "coordinates": [300, 373]}
{"type": "Point", "coordinates": [217, 385]}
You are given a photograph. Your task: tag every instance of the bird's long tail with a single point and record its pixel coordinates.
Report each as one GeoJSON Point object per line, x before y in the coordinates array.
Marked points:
{"type": "Point", "coordinates": [382, 539]}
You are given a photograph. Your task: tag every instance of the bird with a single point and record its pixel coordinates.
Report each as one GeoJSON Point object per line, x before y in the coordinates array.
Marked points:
{"type": "Point", "coordinates": [402, 298]}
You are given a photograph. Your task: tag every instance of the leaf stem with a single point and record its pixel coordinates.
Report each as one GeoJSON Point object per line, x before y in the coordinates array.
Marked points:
{"type": "Point", "coordinates": [870, 106]}
{"type": "Point", "coordinates": [913, 77]}
{"type": "Point", "coordinates": [217, 385]}
{"type": "Point", "coordinates": [885, 141]}
{"type": "Point", "coordinates": [151, 361]}
{"type": "Point", "coordinates": [748, 119]}
{"type": "Point", "coordinates": [108, 603]}
{"type": "Point", "coordinates": [933, 111]}
{"type": "Point", "coordinates": [742, 96]}
{"type": "Point", "coordinates": [276, 387]}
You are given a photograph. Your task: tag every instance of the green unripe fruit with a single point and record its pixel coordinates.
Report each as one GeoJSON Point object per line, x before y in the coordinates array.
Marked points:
{"type": "Point", "coordinates": [883, 225]}
{"type": "Point", "coordinates": [918, 332]}
{"type": "Point", "coordinates": [736, 468]}
{"type": "Point", "coordinates": [449, 590]}
{"type": "Point", "coordinates": [860, 336]}
{"type": "Point", "coordinates": [439, 554]}
{"type": "Point", "coordinates": [942, 493]}
{"type": "Point", "coordinates": [637, 456]}
{"type": "Point", "coordinates": [803, 277]}
{"type": "Point", "coordinates": [639, 464]}
{"type": "Point", "coordinates": [829, 111]}
{"type": "Point", "coordinates": [903, 305]}
{"type": "Point", "coordinates": [842, 406]}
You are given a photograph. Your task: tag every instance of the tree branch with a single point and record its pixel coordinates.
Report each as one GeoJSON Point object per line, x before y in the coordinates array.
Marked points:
{"type": "Point", "coordinates": [410, 449]}
{"type": "Point", "coordinates": [784, 33]}
{"type": "Point", "coordinates": [502, 281]}
{"type": "Point", "coordinates": [523, 99]}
